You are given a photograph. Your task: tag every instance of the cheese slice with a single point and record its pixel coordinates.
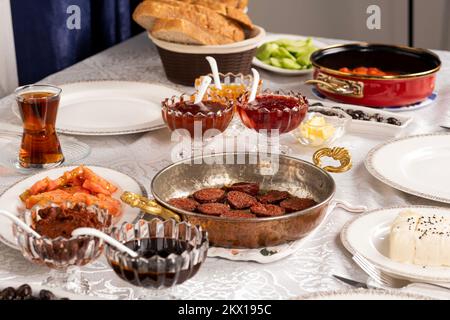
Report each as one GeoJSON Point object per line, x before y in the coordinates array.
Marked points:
{"type": "Point", "coordinates": [420, 239]}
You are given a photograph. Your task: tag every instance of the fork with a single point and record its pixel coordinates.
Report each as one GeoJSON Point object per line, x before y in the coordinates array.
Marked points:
{"type": "Point", "coordinates": [384, 279]}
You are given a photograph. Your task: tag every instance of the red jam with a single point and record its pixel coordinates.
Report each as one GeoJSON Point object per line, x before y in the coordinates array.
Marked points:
{"type": "Point", "coordinates": [183, 115]}
{"type": "Point", "coordinates": [270, 112]}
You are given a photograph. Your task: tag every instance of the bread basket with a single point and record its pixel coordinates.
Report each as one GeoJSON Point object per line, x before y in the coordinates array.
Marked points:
{"type": "Point", "coordinates": [184, 63]}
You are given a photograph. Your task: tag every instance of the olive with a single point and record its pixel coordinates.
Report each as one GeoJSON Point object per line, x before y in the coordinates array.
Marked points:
{"type": "Point", "coordinates": [394, 121]}
{"type": "Point", "coordinates": [8, 294]}
{"type": "Point", "coordinates": [338, 108]}
{"type": "Point", "coordinates": [24, 291]}
{"type": "Point", "coordinates": [378, 117]}
{"type": "Point", "coordinates": [358, 115]}
{"type": "Point", "coordinates": [317, 104]}
{"type": "Point", "coordinates": [46, 295]}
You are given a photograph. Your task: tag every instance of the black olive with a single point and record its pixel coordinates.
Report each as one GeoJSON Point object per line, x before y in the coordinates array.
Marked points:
{"type": "Point", "coordinates": [8, 294]}
{"type": "Point", "coordinates": [358, 115]}
{"type": "Point", "coordinates": [46, 295]}
{"type": "Point", "coordinates": [394, 121]}
{"type": "Point", "coordinates": [24, 291]}
{"type": "Point", "coordinates": [378, 117]}
{"type": "Point", "coordinates": [317, 104]}
{"type": "Point", "coordinates": [339, 108]}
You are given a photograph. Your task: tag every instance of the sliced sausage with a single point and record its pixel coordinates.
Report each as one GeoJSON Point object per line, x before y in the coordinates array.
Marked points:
{"type": "Point", "coordinates": [187, 204]}
{"type": "Point", "coordinates": [267, 210]}
{"type": "Point", "coordinates": [213, 209]}
{"type": "Point", "coordinates": [297, 204]}
{"type": "Point", "coordinates": [247, 187]}
{"type": "Point", "coordinates": [240, 200]}
{"type": "Point", "coordinates": [209, 195]}
{"type": "Point", "coordinates": [238, 214]}
{"type": "Point", "coordinates": [273, 196]}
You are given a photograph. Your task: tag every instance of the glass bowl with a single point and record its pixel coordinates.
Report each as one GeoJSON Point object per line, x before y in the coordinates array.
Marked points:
{"type": "Point", "coordinates": [61, 253]}
{"type": "Point", "coordinates": [322, 126]}
{"type": "Point", "coordinates": [277, 111]}
{"type": "Point", "coordinates": [198, 123]}
{"type": "Point", "coordinates": [170, 253]}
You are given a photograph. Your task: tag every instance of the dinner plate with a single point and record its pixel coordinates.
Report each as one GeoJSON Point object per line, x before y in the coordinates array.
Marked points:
{"type": "Point", "coordinates": [9, 200]}
{"type": "Point", "coordinates": [104, 108]}
{"type": "Point", "coordinates": [269, 38]}
{"type": "Point", "coordinates": [362, 294]}
{"type": "Point", "coordinates": [418, 165]}
{"type": "Point", "coordinates": [368, 235]}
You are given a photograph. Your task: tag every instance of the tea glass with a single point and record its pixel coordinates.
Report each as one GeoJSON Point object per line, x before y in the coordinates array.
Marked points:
{"type": "Point", "coordinates": [38, 106]}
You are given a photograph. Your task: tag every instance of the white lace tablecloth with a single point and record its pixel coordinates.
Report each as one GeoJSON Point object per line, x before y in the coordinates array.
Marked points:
{"type": "Point", "coordinates": [142, 155]}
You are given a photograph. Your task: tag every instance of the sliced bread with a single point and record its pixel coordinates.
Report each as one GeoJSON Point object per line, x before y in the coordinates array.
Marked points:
{"type": "Point", "coordinates": [183, 31]}
{"type": "Point", "coordinates": [222, 8]}
{"type": "Point", "coordinates": [204, 18]}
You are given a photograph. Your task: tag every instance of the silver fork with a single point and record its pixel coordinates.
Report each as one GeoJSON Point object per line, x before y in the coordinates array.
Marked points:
{"type": "Point", "coordinates": [384, 279]}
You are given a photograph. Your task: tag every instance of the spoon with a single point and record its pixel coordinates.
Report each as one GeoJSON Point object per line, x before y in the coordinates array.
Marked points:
{"type": "Point", "coordinates": [203, 87]}
{"type": "Point", "coordinates": [20, 223]}
{"type": "Point", "coordinates": [113, 242]}
{"type": "Point", "coordinates": [215, 72]}
{"type": "Point", "coordinates": [255, 85]}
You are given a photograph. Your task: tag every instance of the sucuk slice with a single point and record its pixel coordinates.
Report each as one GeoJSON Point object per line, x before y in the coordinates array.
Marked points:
{"type": "Point", "coordinates": [247, 187]}
{"type": "Point", "coordinates": [209, 195]}
{"type": "Point", "coordinates": [267, 210]}
{"type": "Point", "coordinates": [297, 204]}
{"type": "Point", "coordinates": [240, 200]}
{"type": "Point", "coordinates": [184, 204]}
{"type": "Point", "coordinates": [238, 214]}
{"type": "Point", "coordinates": [273, 196]}
{"type": "Point", "coordinates": [213, 209]}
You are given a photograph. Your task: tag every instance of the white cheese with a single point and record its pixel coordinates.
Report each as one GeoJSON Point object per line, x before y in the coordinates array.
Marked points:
{"type": "Point", "coordinates": [420, 239]}
{"type": "Point", "coordinates": [402, 240]}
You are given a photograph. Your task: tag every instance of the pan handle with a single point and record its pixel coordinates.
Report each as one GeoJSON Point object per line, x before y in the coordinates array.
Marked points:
{"type": "Point", "coordinates": [342, 90]}
{"type": "Point", "coordinates": [340, 154]}
{"type": "Point", "coordinates": [343, 87]}
{"type": "Point", "coordinates": [148, 206]}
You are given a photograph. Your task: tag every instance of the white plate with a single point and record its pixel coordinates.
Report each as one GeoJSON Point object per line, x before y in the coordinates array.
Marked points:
{"type": "Point", "coordinates": [262, 65]}
{"type": "Point", "coordinates": [10, 201]}
{"type": "Point", "coordinates": [418, 165]}
{"type": "Point", "coordinates": [370, 127]}
{"type": "Point", "coordinates": [362, 294]}
{"type": "Point", "coordinates": [368, 235]}
{"type": "Point", "coordinates": [110, 107]}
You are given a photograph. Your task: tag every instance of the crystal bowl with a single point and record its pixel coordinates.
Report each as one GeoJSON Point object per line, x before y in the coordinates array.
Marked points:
{"type": "Point", "coordinates": [61, 253]}
{"type": "Point", "coordinates": [322, 126]}
{"type": "Point", "coordinates": [166, 266]}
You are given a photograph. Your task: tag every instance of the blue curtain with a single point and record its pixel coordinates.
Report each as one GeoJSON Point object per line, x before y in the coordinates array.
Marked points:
{"type": "Point", "coordinates": [44, 44]}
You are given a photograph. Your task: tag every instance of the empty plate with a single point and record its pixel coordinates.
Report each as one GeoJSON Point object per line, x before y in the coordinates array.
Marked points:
{"type": "Point", "coordinates": [418, 165]}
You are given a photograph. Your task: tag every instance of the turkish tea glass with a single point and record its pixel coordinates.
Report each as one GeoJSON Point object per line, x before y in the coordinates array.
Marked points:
{"type": "Point", "coordinates": [38, 106]}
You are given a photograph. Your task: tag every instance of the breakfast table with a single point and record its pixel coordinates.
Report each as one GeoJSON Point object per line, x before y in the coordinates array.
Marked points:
{"type": "Point", "coordinates": [141, 156]}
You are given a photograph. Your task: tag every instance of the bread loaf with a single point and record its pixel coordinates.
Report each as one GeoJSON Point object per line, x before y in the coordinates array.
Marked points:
{"type": "Point", "coordinates": [204, 18]}
{"type": "Point", "coordinates": [185, 32]}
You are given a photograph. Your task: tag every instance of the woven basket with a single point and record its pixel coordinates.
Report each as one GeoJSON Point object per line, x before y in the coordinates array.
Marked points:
{"type": "Point", "coordinates": [185, 63]}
